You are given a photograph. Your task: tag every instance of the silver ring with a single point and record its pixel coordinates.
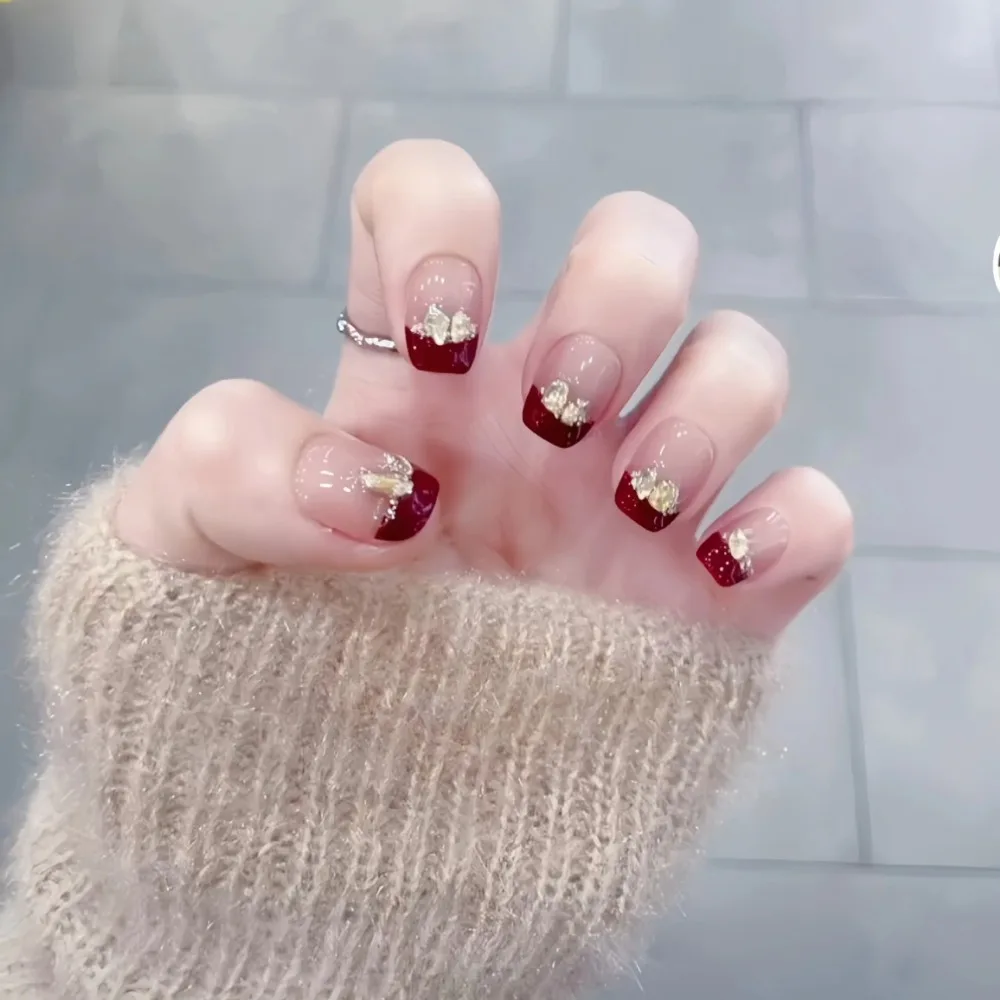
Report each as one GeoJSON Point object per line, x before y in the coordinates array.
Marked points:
{"type": "Point", "coordinates": [352, 333]}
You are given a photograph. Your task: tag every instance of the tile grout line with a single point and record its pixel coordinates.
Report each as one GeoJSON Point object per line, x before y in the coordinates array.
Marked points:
{"type": "Point", "coordinates": [848, 867]}
{"type": "Point", "coordinates": [995, 32]}
{"type": "Point", "coordinates": [335, 180]}
{"type": "Point", "coordinates": [38, 323]}
{"type": "Point", "coordinates": [108, 84]}
{"type": "Point", "coordinates": [183, 284]}
{"type": "Point", "coordinates": [807, 185]}
{"type": "Point", "coordinates": [926, 553]}
{"type": "Point", "coordinates": [843, 595]}
{"type": "Point", "coordinates": [559, 70]}
{"type": "Point", "coordinates": [526, 98]}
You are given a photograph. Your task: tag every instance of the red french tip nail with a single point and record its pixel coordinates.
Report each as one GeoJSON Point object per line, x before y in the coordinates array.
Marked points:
{"type": "Point", "coordinates": [641, 511]}
{"type": "Point", "coordinates": [413, 511]}
{"type": "Point", "coordinates": [549, 427]}
{"type": "Point", "coordinates": [715, 556]}
{"type": "Point", "coordinates": [442, 359]}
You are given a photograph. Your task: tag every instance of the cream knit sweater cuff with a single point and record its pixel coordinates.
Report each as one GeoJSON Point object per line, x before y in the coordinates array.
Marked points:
{"type": "Point", "coordinates": [275, 787]}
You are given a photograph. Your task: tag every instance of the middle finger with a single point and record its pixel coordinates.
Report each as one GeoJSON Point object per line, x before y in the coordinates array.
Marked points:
{"type": "Point", "coordinates": [622, 295]}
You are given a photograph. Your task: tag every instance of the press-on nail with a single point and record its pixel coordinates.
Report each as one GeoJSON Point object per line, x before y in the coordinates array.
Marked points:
{"type": "Point", "coordinates": [350, 487]}
{"type": "Point", "coordinates": [572, 388]}
{"type": "Point", "coordinates": [745, 546]}
{"type": "Point", "coordinates": [443, 315]}
{"type": "Point", "coordinates": [665, 473]}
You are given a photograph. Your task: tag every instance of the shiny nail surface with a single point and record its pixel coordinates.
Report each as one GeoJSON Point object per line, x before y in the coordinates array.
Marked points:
{"type": "Point", "coordinates": [571, 390]}
{"type": "Point", "coordinates": [744, 546]}
{"type": "Point", "coordinates": [444, 305]}
{"type": "Point", "coordinates": [668, 468]}
{"type": "Point", "coordinates": [350, 487]}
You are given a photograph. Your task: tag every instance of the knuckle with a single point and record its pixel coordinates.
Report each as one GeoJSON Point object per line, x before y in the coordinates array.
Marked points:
{"type": "Point", "coordinates": [773, 348]}
{"type": "Point", "coordinates": [205, 432]}
{"type": "Point", "coordinates": [625, 276]}
{"type": "Point", "coordinates": [682, 226]}
{"type": "Point", "coordinates": [620, 204]}
{"type": "Point", "coordinates": [481, 195]}
{"type": "Point", "coordinates": [404, 152]}
{"type": "Point", "coordinates": [387, 162]}
{"type": "Point", "coordinates": [829, 502]}
{"type": "Point", "coordinates": [626, 209]}
{"type": "Point", "coordinates": [751, 355]}
{"type": "Point", "coordinates": [765, 348]}
{"type": "Point", "coordinates": [433, 168]}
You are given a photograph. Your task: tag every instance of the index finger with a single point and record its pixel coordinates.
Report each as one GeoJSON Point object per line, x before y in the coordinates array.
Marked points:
{"type": "Point", "coordinates": [425, 250]}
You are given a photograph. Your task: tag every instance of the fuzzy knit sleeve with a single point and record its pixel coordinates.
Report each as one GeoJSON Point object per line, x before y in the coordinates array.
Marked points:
{"type": "Point", "coordinates": [276, 787]}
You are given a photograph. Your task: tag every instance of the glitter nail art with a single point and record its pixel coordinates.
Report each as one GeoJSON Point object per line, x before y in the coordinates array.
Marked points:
{"type": "Point", "coordinates": [571, 411]}
{"type": "Point", "coordinates": [393, 481]}
{"type": "Point", "coordinates": [739, 548]}
{"type": "Point", "coordinates": [663, 495]}
{"type": "Point", "coordinates": [555, 414]}
{"type": "Point", "coordinates": [649, 498]}
{"type": "Point", "coordinates": [345, 485]}
{"type": "Point", "coordinates": [669, 466]}
{"type": "Point", "coordinates": [443, 329]}
{"type": "Point", "coordinates": [734, 554]}
{"type": "Point", "coordinates": [571, 388]}
{"type": "Point", "coordinates": [444, 315]}
{"type": "Point", "coordinates": [409, 496]}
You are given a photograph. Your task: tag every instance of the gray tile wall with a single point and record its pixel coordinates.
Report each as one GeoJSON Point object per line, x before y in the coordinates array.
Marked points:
{"type": "Point", "coordinates": [173, 175]}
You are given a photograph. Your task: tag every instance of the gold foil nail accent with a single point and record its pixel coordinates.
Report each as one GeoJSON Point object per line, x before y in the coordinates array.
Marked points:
{"type": "Point", "coordinates": [556, 399]}
{"type": "Point", "coordinates": [393, 480]}
{"type": "Point", "coordinates": [443, 329]}
{"type": "Point", "coordinates": [663, 495]}
{"type": "Point", "coordinates": [739, 548]}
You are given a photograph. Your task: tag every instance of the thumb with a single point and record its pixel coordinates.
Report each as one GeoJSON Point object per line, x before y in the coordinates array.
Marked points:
{"type": "Point", "coordinates": [242, 476]}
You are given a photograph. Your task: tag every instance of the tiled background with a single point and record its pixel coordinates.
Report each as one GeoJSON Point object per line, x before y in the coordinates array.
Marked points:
{"type": "Point", "coordinates": [172, 183]}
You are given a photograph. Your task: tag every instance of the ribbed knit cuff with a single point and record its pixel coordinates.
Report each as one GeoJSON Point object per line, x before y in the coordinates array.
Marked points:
{"type": "Point", "coordinates": [25, 969]}
{"type": "Point", "coordinates": [357, 786]}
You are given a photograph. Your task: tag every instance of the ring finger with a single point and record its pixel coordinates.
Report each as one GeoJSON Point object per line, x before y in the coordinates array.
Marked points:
{"type": "Point", "coordinates": [723, 393]}
{"type": "Point", "coordinates": [425, 246]}
{"type": "Point", "coordinates": [622, 295]}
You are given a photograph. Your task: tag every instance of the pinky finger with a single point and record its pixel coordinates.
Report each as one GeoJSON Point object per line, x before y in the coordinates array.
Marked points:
{"type": "Point", "coordinates": [778, 548]}
{"type": "Point", "coordinates": [243, 476]}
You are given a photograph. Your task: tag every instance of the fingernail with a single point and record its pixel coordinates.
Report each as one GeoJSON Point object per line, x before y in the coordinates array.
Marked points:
{"type": "Point", "coordinates": [444, 306]}
{"type": "Point", "coordinates": [665, 474]}
{"type": "Point", "coordinates": [350, 487]}
{"type": "Point", "coordinates": [572, 388]}
{"type": "Point", "coordinates": [744, 546]}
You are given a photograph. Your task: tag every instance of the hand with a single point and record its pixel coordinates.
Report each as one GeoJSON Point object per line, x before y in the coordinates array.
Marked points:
{"type": "Point", "coordinates": [551, 488]}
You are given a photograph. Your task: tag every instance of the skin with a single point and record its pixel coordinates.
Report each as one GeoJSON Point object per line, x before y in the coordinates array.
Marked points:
{"type": "Point", "coordinates": [215, 493]}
